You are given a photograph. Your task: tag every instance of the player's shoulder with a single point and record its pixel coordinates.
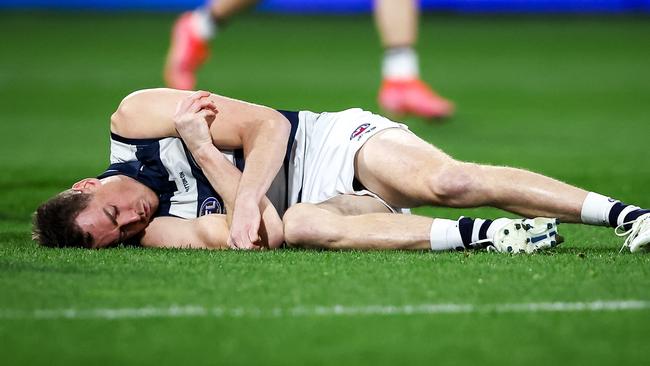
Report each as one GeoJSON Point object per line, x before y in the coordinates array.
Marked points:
{"type": "Point", "coordinates": [146, 113]}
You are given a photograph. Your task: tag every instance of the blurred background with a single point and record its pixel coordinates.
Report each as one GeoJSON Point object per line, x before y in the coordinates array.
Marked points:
{"type": "Point", "coordinates": [66, 64]}
{"type": "Point", "coordinates": [351, 6]}
{"type": "Point", "coordinates": [559, 87]}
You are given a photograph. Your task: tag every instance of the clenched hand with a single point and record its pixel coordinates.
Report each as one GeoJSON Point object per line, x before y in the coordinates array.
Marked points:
{"type": "Point", "coordinates": [193, 118]}
{"type": "Point", "coordinates": [245, 225]}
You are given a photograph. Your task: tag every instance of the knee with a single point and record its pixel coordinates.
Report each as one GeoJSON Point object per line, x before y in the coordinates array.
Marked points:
{"type": "Point", "coordinates": [453, 183]}
{"type": "Point", "coordinates": [306, 225]}
{"type": "Point", "coordinates": [294, 224]}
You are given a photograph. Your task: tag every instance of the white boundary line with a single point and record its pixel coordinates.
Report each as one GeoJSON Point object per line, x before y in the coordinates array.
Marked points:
{"type": "Point", "coordinates": [190, 311]}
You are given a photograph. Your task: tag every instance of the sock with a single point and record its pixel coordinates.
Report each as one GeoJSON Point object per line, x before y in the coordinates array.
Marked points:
{"type": "Point", "coordinates": [448, 234]}
{"type": "Point", "coordinates": [400, 63]}
{"type": "Point", "coordinates": [604, 211]}
{"type": "Point", "coordinates": [496, 225]}
{"type": "Point", "coordinates": [445, 235]}
{"type": "Point", "coordinates": [204, 24]}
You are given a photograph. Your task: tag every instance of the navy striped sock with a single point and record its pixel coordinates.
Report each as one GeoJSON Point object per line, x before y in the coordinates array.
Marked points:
{"type": "Point", "coordinates": [621, 213]}
{"type": "Point", "coordinates": [472, 230]}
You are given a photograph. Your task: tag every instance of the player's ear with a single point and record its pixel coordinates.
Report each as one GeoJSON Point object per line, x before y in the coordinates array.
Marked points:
{"type": "Point", "coordinates": [87, 185]}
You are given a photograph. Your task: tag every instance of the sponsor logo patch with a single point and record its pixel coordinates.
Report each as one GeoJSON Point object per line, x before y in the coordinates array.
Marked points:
{"type": "Point", "coordinates": [361, 130]}
{"type": "Point", "coordinates": [186, 184]}
{"type": "Point", "coordinates": [210, 206]}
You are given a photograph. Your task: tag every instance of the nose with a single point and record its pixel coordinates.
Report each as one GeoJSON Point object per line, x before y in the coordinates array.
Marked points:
{"type": "Point", "coordinates": [129, 217]}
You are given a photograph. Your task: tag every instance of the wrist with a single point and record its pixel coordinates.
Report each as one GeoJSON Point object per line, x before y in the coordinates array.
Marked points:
{"type": "Point", "coordinates": [204, 153]}
{"type": "Point", "coordinates": [248, 195]}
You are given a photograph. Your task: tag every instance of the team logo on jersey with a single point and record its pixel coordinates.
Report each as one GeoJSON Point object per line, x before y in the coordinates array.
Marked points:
{"type": "Point", "coordinates": [361, 130]}
{"type": "Point", "coordinates": [210, 206]}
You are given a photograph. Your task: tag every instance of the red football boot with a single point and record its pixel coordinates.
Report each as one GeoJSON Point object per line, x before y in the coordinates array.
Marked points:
{"type": "Point", "coordinates": [187, 52]}
{"type": "Point", "coordinates": [413, 97]}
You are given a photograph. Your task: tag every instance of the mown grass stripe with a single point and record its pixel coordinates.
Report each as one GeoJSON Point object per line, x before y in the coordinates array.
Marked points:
{"type": "Point", "coordinates": [188, 311]}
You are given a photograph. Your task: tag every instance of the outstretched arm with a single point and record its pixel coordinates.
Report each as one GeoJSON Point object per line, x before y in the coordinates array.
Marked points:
{"type": "Point", "coordinates": [206, 232]}
{"type": "Point", "coordinates": [261, 131]}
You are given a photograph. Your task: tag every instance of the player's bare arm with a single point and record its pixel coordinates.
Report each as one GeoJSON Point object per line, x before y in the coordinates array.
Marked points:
{"type": "Point", "coordinates": [193, 118]}
{"type": "Point", "coordinates": [208, 232]}
{"type": "Point", "coordinates": [204, 232]}
{"type": "Point", "coordinates": [261, 131]}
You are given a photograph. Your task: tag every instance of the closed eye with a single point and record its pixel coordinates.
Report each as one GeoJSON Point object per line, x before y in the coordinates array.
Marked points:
{"type": "Point", "coordinates": [116, 211]}
{"type": "Point", "coordinates": [111, 215]}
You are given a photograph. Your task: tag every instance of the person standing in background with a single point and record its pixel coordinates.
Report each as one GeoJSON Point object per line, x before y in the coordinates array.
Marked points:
{"type": "Point", "coordinates": [402, 91]}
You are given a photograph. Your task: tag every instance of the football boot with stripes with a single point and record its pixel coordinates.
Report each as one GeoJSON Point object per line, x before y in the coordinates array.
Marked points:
{"type": "Point", "coordinates": [519, 236]}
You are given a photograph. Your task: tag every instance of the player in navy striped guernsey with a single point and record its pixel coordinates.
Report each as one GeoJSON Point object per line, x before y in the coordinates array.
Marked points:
{"type": "Point", "coordinates": [154, 191]}
{"type": "Point", "coordinates": [342, 178]}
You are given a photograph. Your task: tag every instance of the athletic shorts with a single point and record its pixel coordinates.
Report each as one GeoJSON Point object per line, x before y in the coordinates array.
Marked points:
{"type": "Point", "coordinates": [326, 144]}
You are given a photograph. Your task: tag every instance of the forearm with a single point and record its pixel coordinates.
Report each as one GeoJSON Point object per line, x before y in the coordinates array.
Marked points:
{"type": "Point", "coordinates": [205, 232]}
{"type": "Point", "coordinates": [222, 175]}
{"type": "Point", "coordinates": [271, 228]}
{"type": "Point", "coordinates": [224, 178]}
{"type": "Point", "coordinates": [265, 148]}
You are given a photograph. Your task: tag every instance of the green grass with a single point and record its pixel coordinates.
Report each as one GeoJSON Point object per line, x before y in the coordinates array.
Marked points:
{"type": "Point", "coordinates": [567, 97]}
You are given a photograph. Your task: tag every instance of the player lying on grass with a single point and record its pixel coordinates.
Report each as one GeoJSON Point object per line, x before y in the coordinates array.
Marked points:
{"type": "Point", "coordinates": [345, 180]}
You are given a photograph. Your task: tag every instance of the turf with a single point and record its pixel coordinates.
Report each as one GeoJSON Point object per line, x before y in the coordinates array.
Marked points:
{"type": "Point", "coordinates": [564, 96]}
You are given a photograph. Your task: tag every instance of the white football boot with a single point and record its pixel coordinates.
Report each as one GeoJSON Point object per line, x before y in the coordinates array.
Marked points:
{"type": "Point", "coordinates": [524, 236]}
{"type": "Point", "coordinates": [638, 237]}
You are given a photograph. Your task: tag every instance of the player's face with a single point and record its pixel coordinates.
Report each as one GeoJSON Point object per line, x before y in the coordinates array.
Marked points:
{"type": "Point", "coordinates": [120, 208]}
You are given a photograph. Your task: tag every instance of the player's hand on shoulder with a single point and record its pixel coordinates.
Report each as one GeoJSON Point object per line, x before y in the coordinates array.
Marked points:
{"type": "Point", "coordinates": [193, 117]}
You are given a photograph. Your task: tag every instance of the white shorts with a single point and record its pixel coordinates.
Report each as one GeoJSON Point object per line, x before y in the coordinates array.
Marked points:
{"type": "Point", "coordinates": [323, 153]}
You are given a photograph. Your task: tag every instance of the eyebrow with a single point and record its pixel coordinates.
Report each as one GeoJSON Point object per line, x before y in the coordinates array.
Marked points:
{"type": "Point", "coordinates": [110, 217]}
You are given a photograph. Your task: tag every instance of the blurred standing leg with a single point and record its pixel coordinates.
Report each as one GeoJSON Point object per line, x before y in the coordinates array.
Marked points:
{"type": "Point", "coordinates": [191, 34]}
{"type": "Point", "coordinates": [222, 10]}
{"type": "Point", "coordinates": [402, 91]}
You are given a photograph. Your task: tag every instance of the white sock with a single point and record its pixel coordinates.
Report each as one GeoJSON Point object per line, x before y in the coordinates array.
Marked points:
{"type": "Point", "coordinates": [595, 209]}
{"type": "Point", "coordinates": [604, 211]}
{"type": "Point", "coordinates": [204, 25]}
{"type": "Point", "coordinates": [445, 235]}
{"type": "Point", "coordinates": [448, 234]}
{"type": "Point", "coordinates": [400, 63]}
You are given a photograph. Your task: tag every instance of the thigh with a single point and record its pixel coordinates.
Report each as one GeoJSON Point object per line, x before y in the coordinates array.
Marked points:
{"type": "Point", "coordinates": [352, 205]}
{"type": "Point", "coordinates": [331, 142]}
{"type": "Point", "coordinates": [398, 166]}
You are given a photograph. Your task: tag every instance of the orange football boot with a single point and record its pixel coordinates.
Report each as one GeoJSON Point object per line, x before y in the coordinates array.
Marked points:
{"type": "Point", "coordinates": [187, 52]}
{"type": "Point", "coordinates": [413, 97]}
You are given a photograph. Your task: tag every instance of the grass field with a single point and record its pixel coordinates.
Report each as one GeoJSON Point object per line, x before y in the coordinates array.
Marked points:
{"type": "Point", "coordinates": [568, 97]}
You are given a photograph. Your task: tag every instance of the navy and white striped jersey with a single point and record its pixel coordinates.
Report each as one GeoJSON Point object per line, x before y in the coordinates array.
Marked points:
{"type": "Point", "coordinates": [167, 167]}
